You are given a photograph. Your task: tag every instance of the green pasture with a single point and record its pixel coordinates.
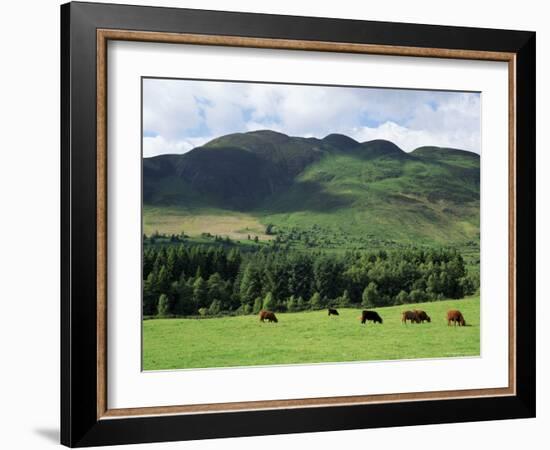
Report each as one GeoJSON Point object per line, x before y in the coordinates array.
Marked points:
{"type": "Point", "coordinates": [309, 337]}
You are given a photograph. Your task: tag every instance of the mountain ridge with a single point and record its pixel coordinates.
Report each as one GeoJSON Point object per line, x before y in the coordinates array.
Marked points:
{"type": "Point", "coordinates": [266, 162]}
{"type": "Point", "coordinates": [335, 140]}
{"type": "Point", "coordinates": [373, 183]}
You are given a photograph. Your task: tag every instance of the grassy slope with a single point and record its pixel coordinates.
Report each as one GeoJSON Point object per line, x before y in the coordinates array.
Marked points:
{"type": "Point", "coordinates": [309, 337]}
{"type": "Point", "coordinates": [194, 222]}
{"type": "Point", "coordinates": [384, 199]}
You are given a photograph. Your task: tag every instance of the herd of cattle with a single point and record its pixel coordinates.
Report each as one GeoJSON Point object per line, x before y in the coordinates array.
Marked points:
{"type": "Point", "coordinates": [415, 316]}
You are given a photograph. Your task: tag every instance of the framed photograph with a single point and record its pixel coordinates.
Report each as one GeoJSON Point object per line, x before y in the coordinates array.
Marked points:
{"type": "Point", "coordinates": [277, 224]}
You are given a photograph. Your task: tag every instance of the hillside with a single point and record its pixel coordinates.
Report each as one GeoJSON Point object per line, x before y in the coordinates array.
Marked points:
{"type": "Point", "coordinates": [237, 170]}
{"type": "Point", "coordinates": [371, 191]}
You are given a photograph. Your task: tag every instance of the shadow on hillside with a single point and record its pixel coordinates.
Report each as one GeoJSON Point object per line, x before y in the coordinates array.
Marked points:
{"type": "Point", "coordinates": [306, 196]}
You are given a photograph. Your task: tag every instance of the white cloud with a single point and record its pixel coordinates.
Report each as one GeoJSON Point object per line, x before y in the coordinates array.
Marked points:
{"type": "Point", "coordinates": [306, 110]}
{"type": "Point", "coordinates": [455, 122]}
{"type": "Point", "coordinates": [185, 113]}
{"type": "Point", "coordinates": [223, 117]}
{"type": "Point", "coordinates": [169, 108]}
{"type": "Point", "coordinates": [158, 145]}
{"type": "Point", "coordinates": [406, 138]}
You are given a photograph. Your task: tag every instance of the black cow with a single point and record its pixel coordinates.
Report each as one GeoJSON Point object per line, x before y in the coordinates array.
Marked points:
{"type": "Point", "coordinates": [410, 315]}
{"type": "Point", "coordinates": [422, 316]}
{"type": "Point", "coordinates": [370, 315]}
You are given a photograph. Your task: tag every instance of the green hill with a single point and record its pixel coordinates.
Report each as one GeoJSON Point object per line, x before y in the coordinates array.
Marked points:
{"type": "Point", "coordinates": [334, 191]}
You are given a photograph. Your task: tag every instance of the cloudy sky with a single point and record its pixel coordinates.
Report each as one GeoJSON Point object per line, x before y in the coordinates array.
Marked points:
{"type": "Point", "coordinates": [179, 115]}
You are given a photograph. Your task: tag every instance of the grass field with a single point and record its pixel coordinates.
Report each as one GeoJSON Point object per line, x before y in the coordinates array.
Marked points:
{"type": "Point", "coordinates": [175, 220]}
{"type": "Point", "coordinates": [309, 337]}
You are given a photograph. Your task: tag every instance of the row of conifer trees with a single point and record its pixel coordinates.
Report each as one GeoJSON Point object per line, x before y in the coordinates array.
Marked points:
{"type": "Point", "coordinates": [190, 280]}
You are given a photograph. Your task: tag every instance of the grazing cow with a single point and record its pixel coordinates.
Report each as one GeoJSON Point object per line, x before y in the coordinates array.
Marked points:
{"type": "Point", "coordinates": [422, 316]}
{"type": "Point", "coordinates": [455, 316]}
{"type": "Point", "coordinates": [370, 315]}
{"type": "Point", "coordinates": [267, 315]}
{"type": "Point", "coordinates": [409, 315]}
{"type": "Point", "coordinates": [332, 312]}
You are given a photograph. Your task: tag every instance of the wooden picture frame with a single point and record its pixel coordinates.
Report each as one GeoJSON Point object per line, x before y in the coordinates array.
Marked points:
{"type": "Point", "coordinates": [86, 418]}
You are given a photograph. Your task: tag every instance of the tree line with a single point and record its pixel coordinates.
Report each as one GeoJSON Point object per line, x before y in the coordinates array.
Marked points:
{"type": "Point", "coordinates": [189, 280]}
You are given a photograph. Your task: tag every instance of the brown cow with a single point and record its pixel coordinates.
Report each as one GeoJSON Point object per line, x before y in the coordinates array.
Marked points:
{"type": "Point", "coordinates": [333, 312]}
{"type": "Point", "coordinates": [409, 315]}
{"type": "Point", "coordinates": [455, 316]}
{"type": "Point", "coordinates": [370, 315]}
{"type": "Point", "coordinates": [422, 316]}
{"type": "Point", "coordinates": [267, 315]}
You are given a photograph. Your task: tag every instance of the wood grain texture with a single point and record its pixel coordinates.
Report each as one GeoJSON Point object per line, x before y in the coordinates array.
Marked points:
{"type": "Point", "coordinates": [512, 223]}
{"type": "Point", "coordinates": [306, 402]}
{"type": "Point", "coordinates": [101, 223]}
{"type": "Point", "coordinates": [103, 35]}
